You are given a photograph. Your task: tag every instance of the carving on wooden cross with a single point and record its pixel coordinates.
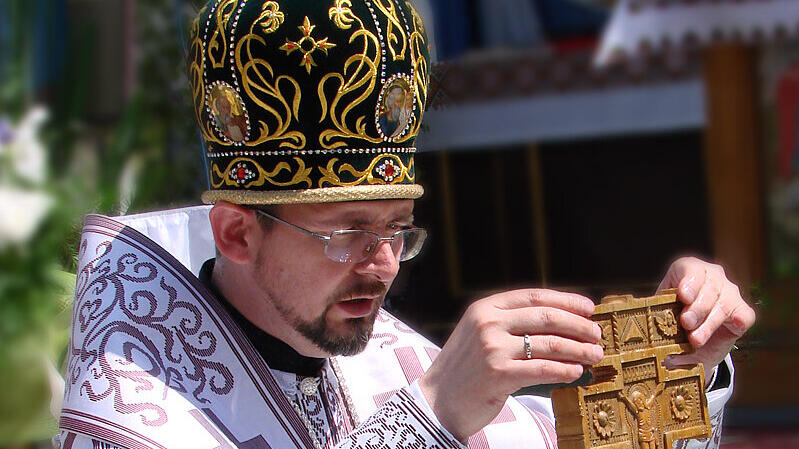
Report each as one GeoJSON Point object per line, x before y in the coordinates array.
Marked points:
{"type": "Point", "coordinates": [633, 401]}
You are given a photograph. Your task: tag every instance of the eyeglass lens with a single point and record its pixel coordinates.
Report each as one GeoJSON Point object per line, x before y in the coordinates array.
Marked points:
{"type": "Point", "coordinates": [356, 246]}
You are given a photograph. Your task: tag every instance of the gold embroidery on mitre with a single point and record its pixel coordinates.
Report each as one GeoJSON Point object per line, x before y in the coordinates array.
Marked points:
{"type": "Point", "coordinates": [362, 69]}
{"type": "Point", "coordinates": [418, 23]}
{"type": "Point", "coordinates": [244, 173]}
{"type": "Point", "coordinates": [361, 192]}
{"type": "Point", "coordinates": [280, 99]}
{"type": "Point", "coordinates": [277, 97]}
{"type": "Point", "coordinates": [399, 172]}
{"type": "Point", "coordinates": [307, 45]}
{"type": "Point", "coordinates": [271, 17]}
{"type": "Point", "coordinates": [341, 14]}
{"type": "Point", "coordinates": [196, 70]}
{"type": "Point", "coordinates": [421, 72]}
{"type": "Point", "coordinates": [217, 45]}
{"type": "Point", "coordinates": [395, 32]}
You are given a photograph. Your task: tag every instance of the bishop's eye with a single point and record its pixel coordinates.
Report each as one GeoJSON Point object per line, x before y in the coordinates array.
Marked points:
{"type": "Point", "coordinates": [398, 226]}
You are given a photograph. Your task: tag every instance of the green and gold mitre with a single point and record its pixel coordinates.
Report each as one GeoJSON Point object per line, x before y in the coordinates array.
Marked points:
{"type": "Point", "coordinates": [305, 101]}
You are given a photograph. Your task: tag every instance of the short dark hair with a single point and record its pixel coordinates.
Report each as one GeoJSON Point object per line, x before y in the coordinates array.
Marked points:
{"type": "Point", "coordinates": [270, 209]}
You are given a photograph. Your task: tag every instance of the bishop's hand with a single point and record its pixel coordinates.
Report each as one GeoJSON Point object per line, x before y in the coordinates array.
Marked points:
{"type": "Point", "coordinates": [715, 315]}
{"type": "Point", "coordinates": [484, 360]}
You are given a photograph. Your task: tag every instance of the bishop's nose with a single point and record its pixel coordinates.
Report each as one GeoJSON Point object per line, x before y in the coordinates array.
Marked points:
{"type": "Point", "coordinates": [383, 263]}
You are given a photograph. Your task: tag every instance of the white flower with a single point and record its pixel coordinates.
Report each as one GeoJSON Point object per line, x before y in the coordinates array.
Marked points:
{"type": "Point", "coordinates": [21, 214]}
{"type": "Point", "coordinates": [23, 149]}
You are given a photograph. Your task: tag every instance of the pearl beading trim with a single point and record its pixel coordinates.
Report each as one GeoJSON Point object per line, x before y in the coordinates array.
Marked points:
{"type": "Point", "coordinates": [311, 152]}
{"type": "Point", "coordinates": [236, 89]}
{"type": "Point", "coordinates": [356, 420]}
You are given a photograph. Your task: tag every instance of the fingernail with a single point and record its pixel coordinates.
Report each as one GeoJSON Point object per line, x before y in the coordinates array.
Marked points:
{"type": "Point", "coordinates": [688, 288]}
{"type": "Point", "coordinates": [689, 320]}
{"type": "Point", "coordinates": [589, 307]}
{"type": "Point", "coordinates": [597, 332]}
{"type": "Point", "coordinates": [699, 336]}
{"type": "Point", "coordinates": [598, 353]}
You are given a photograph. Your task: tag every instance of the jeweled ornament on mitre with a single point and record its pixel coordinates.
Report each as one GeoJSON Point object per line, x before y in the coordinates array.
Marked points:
{"type": "Point", "coordinates": [309, 101]}
{"type": "Point", "coordinates": [395, 108]}
{"type": "Point", "coordinates": [228, 113]}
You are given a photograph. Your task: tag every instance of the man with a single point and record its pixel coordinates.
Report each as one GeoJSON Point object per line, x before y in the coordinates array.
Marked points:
{"type": "Point", "coordinates": [641, 407]}
{"type": "Point", "coordinates": [282, 342]}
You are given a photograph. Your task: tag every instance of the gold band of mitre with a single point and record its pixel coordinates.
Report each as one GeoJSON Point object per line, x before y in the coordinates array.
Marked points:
{"type": "Point", "coordinates": [319, 195]}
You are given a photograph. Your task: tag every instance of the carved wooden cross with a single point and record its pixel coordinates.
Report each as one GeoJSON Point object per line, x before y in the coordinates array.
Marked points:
{"type": "Point", "coordinates": [633, 401]}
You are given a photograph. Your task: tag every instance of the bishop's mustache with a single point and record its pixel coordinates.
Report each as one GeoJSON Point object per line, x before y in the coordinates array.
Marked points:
{"type": "Point", "coordinates": [362, 289]}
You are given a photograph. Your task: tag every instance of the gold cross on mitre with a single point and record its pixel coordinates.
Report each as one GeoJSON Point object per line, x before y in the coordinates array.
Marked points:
{"type": "Point", "coordinates": [307, 45]}
{"type": "Point", "coordinates": [633, 401]}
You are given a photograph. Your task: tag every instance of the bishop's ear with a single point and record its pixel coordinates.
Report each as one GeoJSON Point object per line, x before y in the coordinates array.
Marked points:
{"type": "Point", "coordinates": [236, 231]}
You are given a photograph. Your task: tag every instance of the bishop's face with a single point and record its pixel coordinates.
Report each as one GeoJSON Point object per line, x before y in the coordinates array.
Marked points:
{"type": "Point", "coordinates": [323, 307]}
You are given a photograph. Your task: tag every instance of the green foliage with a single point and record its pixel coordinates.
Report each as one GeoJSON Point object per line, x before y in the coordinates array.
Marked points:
{"type": "Point", "coordinates": [146, 158]}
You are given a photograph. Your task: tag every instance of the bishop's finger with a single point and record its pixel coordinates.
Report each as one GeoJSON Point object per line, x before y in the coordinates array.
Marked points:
{"type": "Point", "coordinates": [697, 311]}
{"type": "Point", "coordinates": [551, 347]}
{"type": "Point", "coordinates": [517, 299]}
{"type": "Point", "coordinates": [551, 321]}
{"type": "Point", "coordinates": [679, 270]}
{"type": "Point", "coordinates": [537, 371]}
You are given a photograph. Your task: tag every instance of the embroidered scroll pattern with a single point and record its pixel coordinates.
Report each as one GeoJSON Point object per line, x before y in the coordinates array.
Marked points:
{"type": "Point", "coordinates": [351, 90]}
{"type": "Point", "coordinates": [217, 45]}
{"type": "Point", "coordinates": [133, 331]}
{"type": "Point", "coordinates": [398, 423]}
{"type": "Point", "coordinates": [331, 175]}
{"type": "Point", "coordinates": [256, 175]}
{"type": "Point", "coordinates": [421, 73]}
{"type": "Point", "coordinates": [363, 68]}
{"type": "Point", "coordinates": [395, 33]}
{"type": "Point", "coordinates": [279, 96]}
{"type": "Point", "coordinates": [196, 69]}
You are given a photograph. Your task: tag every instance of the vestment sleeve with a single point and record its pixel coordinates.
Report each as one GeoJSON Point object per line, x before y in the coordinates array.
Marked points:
{"type": "Point", "coordinates": [402, 421]}
{"type": "Point", "coordinates": [69, 440]}
{"type": "Point", "coordinates": [399, 422]}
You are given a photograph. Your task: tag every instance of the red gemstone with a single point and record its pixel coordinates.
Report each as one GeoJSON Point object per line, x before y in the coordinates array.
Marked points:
{"type": "Point", "coordinates": [389, 170]}
{"type": "Point", "coordinates": [241, 173]}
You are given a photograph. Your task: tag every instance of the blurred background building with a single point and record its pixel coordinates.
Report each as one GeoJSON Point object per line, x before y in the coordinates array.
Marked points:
{"type": "Point", "coordinates": [573, 144]}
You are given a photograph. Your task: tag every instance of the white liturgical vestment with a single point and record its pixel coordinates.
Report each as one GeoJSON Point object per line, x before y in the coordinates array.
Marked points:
{"type": "Point", "coordinates": [156, 362]}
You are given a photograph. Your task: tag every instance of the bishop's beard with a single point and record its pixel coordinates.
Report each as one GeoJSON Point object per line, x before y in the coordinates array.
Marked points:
{"type": "Point", "coordinates": [353, 334]}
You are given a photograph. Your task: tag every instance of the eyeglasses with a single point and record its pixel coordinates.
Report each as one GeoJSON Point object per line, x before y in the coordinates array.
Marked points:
{"type": "Point", "coordinates": [357, 245]}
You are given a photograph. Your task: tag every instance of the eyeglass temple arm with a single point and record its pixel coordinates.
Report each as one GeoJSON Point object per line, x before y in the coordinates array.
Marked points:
{"type": "Point", "coordinates": [311, 233]}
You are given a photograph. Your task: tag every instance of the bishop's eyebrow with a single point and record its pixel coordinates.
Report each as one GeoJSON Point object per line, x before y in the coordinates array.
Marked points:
{"type": "Point", "coordinates": [356, 219]}
{"type": "Point", "coordinates": [403, 218]}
